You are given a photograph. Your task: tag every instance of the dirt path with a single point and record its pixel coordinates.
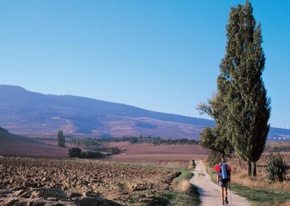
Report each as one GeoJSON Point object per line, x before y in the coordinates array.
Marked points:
{"type": "Point", "coordinates": [210, 192]}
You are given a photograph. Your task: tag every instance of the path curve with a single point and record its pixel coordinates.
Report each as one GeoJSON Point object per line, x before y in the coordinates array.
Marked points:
{"type": "Point", "coordinates": [209, 191]}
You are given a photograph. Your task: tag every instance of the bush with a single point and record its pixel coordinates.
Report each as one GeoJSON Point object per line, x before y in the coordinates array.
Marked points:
{"type": "Point", "coordinates": [90, 154]}
{"type": "Point", "coordinates": [115, 150]}
{"type": "Point", "coordinates": [74, 152]}
{"type": "Point", "coordinates": [276, 168]}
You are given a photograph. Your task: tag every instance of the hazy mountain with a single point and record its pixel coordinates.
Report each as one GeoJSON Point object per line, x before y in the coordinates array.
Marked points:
{"type": "Point", "coordinates": [25, 112]}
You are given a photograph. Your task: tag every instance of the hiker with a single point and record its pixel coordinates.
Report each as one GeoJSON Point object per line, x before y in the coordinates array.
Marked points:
{"type": "Point", "coordinates": [223, 179]}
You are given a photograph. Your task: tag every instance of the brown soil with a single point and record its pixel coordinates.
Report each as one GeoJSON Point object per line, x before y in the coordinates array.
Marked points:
{"type": "Point", "coordinates": [177, 156]}
{"type": "Point", "coordinates": [13, 145]}
{"type": "Point", "coordinates": [122, 184]}
{"type": "Point", "coordinates": [161, 149]}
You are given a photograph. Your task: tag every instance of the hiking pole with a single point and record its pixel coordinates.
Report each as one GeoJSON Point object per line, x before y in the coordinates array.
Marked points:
{"type": "Point", "coordinates": [230, 193]}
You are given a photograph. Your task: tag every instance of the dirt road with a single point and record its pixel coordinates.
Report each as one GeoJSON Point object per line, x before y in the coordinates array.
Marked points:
{"type": "Point", "coordinates": [210, 192]}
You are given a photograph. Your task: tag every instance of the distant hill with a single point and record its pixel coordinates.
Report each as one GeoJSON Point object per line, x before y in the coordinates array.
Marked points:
{"type": "Point", "coordinates": [31, 113]}
{"type": "Point", "coordinates": [25, 112]}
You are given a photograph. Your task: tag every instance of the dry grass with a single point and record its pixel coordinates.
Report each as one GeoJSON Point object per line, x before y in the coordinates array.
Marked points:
{"type": "Point", "coordinates": [259, 190]}
{"type": "Point", "coordinates": [286, 203]}
{"type": "Point", "coordinates": [278, 204]}
{"type": "Point", "coordinates": [261, 181]}
{"type": "Point", "coordinates": [184, 186]}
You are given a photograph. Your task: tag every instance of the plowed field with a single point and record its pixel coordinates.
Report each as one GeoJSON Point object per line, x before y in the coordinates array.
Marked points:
{"type": "Point", "coordinates": [122, 184]}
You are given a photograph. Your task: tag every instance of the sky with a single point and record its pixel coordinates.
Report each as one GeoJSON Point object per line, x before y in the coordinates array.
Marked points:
{"type": "Point", "coordinates": [158, 55]}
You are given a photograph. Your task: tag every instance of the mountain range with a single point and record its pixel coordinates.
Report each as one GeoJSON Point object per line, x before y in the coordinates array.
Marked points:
{"type": "Point", "coordinates": [30, 113]}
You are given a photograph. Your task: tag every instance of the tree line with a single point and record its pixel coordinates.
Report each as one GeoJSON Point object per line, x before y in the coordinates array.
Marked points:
{"type": "Point", "coordinates": [103, 142]}
{"type": "Point", "coordinates": [151, 140]}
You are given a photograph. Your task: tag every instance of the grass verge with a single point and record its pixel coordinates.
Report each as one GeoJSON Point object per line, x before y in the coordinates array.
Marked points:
{"type": "Point", "coordinates": [262, 197]}
{"type": "Point", "coordinates": [259, 197]}
{"type": "Point", "coordinates": [183, 192]}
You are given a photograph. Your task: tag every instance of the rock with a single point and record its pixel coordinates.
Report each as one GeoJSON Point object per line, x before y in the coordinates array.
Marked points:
{"type": "Point", "coordinates": [89, 201]}
{"type": "Point", "coordinates": [71, 194]}
{"type": "Point", "coordinates": [50, 197]}
{"type": "Point", "coordinates": [10, 201]}
{"type": "Point", "coordinates": [49, 192]}
{"type": "Point", "coordinates": [25, 194]}
{"type": "Point", "coordinates": [18, 192]}
{"type": "Point", "coordinates": [29, 184]}
{"type": "Point", "coordinates": [39, 202]}
{"type": "Point", "coordinates": [4, 192]}
{"type": "Point", "coordinates": [21, 203]}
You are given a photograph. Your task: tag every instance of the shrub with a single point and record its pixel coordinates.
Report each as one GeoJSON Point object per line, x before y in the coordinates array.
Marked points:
{"type": "Point", "coordinates": [115, 150]}
{"type": "Point", "coordinates": [184, 186]}
{"type": "Point", "coordinates": [74, 152]}
{"type": "Point", "coordinates": [90, 154]}
{"type": "Point", "coordinates": [276, 168]}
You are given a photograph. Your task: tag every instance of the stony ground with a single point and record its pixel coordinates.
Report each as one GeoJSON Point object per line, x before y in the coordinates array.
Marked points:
{"type": "Point", "coordinates": [125, 185]}
{"type": "Point", "coordinates": [49, 197]}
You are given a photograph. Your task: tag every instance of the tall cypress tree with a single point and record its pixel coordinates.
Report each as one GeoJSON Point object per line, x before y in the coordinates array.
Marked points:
{"type": "Point", "coordinates": [61, 139]}
{"type": "Point", "coordinates": [248, 108]}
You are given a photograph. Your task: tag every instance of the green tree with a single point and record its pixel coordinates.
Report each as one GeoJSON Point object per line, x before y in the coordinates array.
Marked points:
{"type": "Point", "coordinates": [61, 139]}
{"type": "Point", "coordinates": [217, 138]}
{"type": "Point", "coordinates": [240, 108]}
{"type": "Point", "coordinates": [247, 105]}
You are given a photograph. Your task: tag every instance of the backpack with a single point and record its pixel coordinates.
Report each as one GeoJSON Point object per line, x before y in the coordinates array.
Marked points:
{"type": "Point", "coordinates": [223, 171]}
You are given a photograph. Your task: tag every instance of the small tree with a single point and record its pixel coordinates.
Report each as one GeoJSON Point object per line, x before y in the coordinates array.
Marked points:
{"type": "Point", "coordinates": [61, 139]}
{"type": "Point", "coordinates": [276, 168]}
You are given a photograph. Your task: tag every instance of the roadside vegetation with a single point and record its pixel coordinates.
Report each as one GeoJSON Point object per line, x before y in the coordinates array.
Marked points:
{"type": "Point", "coordinates": [264, 189]}
{"type": "Point", "coordinates": [187, 194]}
{"type": "Point", "coordinates": [269, 195]}
{"type": "Point", "coordinates": [181, 192]}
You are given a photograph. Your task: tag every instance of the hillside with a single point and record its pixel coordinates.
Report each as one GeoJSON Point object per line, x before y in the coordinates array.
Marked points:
{"type": "Point", "coordinates": [14, 145]}
{"type": "Point", "coordinates": [30, 113]}
{"type": "Point", "coordinates": [25, 112]}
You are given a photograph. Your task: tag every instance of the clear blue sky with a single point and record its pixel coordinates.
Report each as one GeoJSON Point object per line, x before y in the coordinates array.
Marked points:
{"type": "Point", "coordinates": [159, 55]}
